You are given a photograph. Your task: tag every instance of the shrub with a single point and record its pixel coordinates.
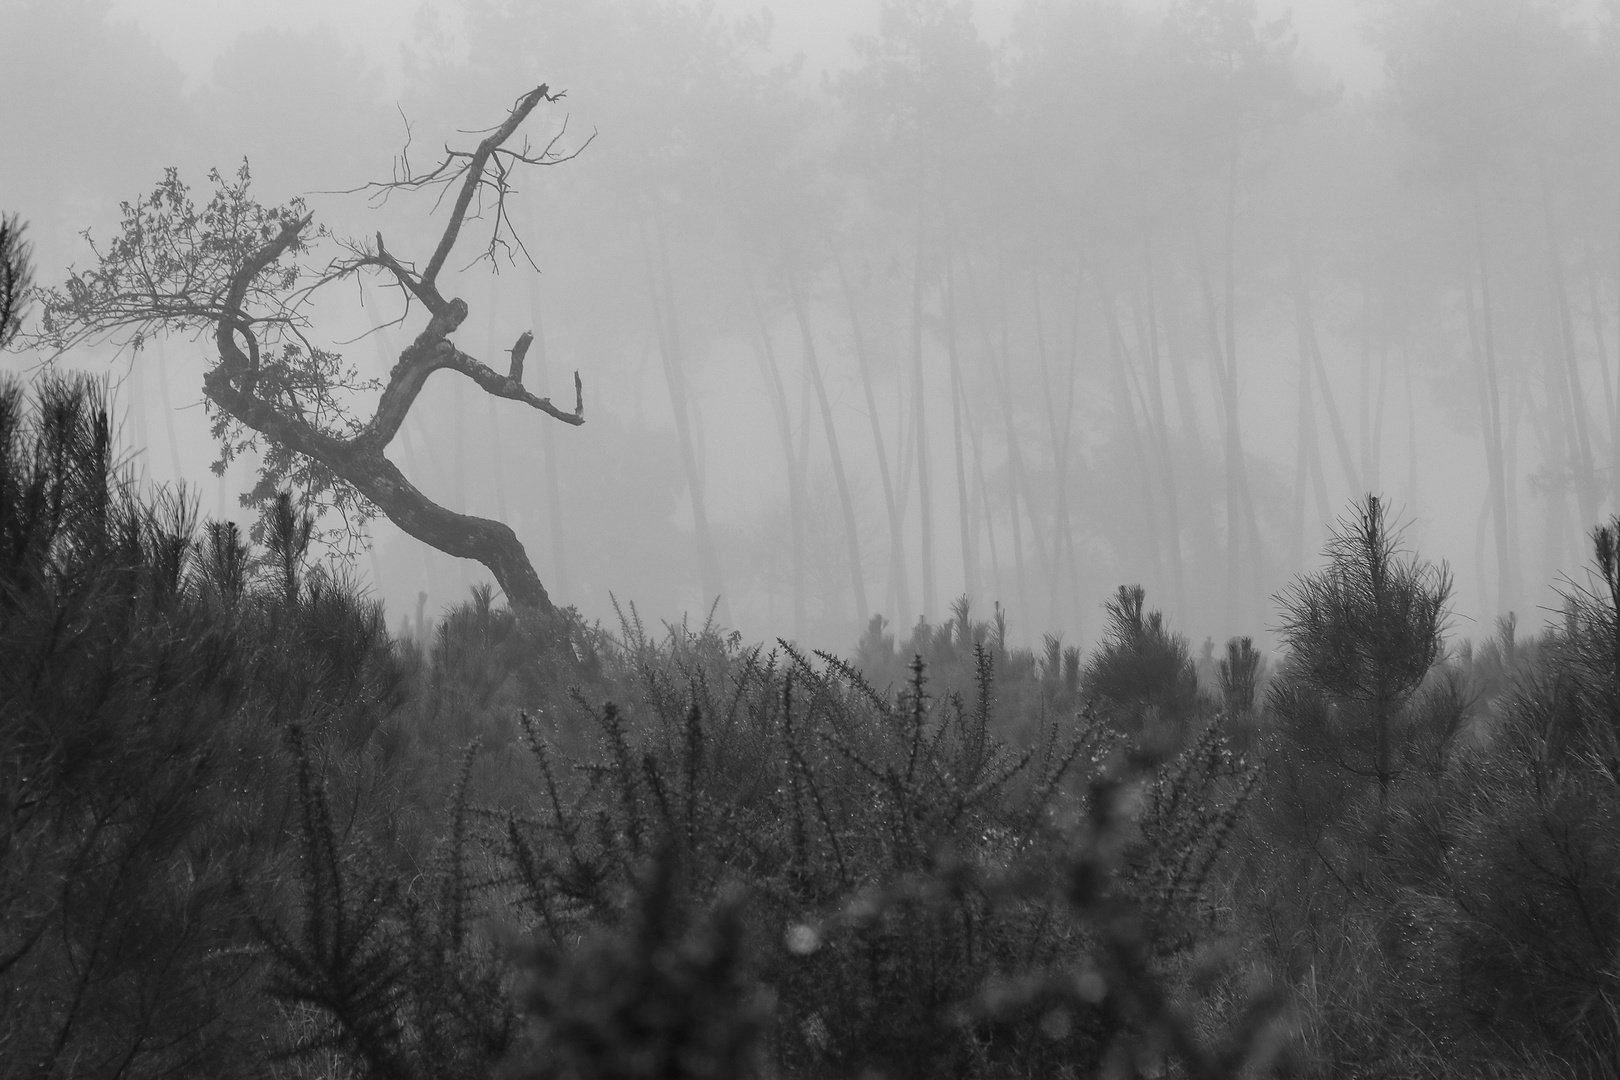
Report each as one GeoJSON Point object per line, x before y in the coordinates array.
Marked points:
{"type": "Point", "coordinates": [1363, 633]}
{"type": "Point", "coordinates": [145, 683]}
{"type": "Point", "coordinates": [1507, 865]}
{"type": "Point", "coordinates": [781, 867]}
{"type": "Point", "coordinates": [1140, 669]}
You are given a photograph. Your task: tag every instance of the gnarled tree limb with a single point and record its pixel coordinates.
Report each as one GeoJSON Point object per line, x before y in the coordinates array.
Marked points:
{"type": "Point", "coordinates": [167, 272]}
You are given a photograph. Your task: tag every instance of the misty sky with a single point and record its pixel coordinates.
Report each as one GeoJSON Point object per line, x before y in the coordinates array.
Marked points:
{"type": "Point", "coordinates": [1042, 386]}
{"type": "Point", "coordinates": [195, 32]}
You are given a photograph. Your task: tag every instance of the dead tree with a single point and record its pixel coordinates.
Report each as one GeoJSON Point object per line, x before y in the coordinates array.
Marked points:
{"type": "Point", "coordinates": [229, 272]}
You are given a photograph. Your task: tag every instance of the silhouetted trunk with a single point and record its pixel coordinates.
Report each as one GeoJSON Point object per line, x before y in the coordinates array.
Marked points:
{"type": "Point", "coordinates": [985, 509]}
{"type": "Point", "coordinates": [664, 322]}
{"type": "Point", "coordinates": [1147, 337]}
{"type": "Point", "coordinates": [857, 577]}
{"type": "Point", "coordinates": [1380, 409]}
{"type": "Point", "coordinates": [970, 574]}
{"type": "Point", "coordinates": [1586, 492]}
{"type": "Point", "coordinates": [795, 475]}
{"type": "Point", "coordinates": [1063, 540]}
{"type": "Point", "coordinates": [1374, 390]}
{"type": "Point", "coordinates": [1017, 487]}
{"type": "Point", "coordinates": [1553, 431]}
{"type": "Point", "coordinates": [1077, 602]}
{"type": "Point", "coordinates": [1125, 410]}
{"type": "Point", "coordinates": [897, 548]}
{"type": "Point", "coordinates": [1200, 514]}
{"type": "Point", "coordinates": [1308, 452]}
{"type": "Point", "coordinates": [1230, 398]}
{"type": "Point", "coordinates": [919, 404]}
{"type": "Point", "coordinates": [1306, 326]}
{"type": "Point", "coordinates": [1241, 530]}
{"type": "Point", "coordinates": [1364, 391]}
{"type": "Point", "coordinates": [1411, 433]}
{"type": "Point", "coordinates": [1482, 337]}
{"type": "Point", "coordinates": [1611, 393]}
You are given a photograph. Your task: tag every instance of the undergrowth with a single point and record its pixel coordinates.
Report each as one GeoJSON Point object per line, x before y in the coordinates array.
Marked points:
{"type": "Point", "coordinates": [248, 833]}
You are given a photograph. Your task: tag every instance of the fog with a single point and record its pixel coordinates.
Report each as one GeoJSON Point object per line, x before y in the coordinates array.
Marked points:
{"type": "Point", "coordinates": [879, 305]}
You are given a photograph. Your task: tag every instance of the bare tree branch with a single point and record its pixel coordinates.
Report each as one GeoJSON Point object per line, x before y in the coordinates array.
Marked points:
{"type": "Point", "coordinates": [484, 171]}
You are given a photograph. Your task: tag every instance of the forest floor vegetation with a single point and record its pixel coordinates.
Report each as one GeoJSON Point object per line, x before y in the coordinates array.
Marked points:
{"type": "Point", "coordinates": [246, 832]}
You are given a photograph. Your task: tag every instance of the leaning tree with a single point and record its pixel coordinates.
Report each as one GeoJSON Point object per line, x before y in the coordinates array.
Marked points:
{"type": "Point", "coordinates": [231, 271]}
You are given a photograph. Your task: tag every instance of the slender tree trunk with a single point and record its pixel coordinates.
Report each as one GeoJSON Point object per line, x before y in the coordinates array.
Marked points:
{"type": "Point", "coordinates": [1519, 406]}
{"type": "Point", "coordinates": [795, 474]}
{"type": "Point", "coordinates": [1307, 327]}
{"type": "Point", "coordinates": [1241, 530]}
{"type": "Point", "coordinates": [1411, 435]}
{"type": "Point", "coordinates": [1310, 443]}
{"type": "Point", "coordinates": [1306, 424]}
{"type": "Point", "coordinates": [1324, 506]}
{"type": "Point", "coordinates": [852, 538]}
{"type": "Point", "coordinates": [1015, 485]}
{"type": "Point", "coordinates": [1611, 404]}
{"type": "Point", "coordinates": [919, 403]}
{"type": "Point", "coordinates": [1126, 412]}
{"type": "Point", "coordinates": [663, 308]}
{"type": "Point", "coordinates": [1147, 337]}
{"type": "Point", "coordinates": [986, 509]}
{"type": "Point", "coordinates": [1200, 516]}
{"type": "Point", "coordinates": [1374, 390]}
{"type": "Point", "coordinates": [1060, 457]}
{"type": "Point", "coordinates": [1077, 603]}
{"type": "Point", "coordinates": [1379, 402]}
{"type": "Point", "coordinates": [965, 524]}
{"type": "Point", "coordinates": [1252, 526]}
{"type": "Point", "coordinates": [1490, 423]}
{"type": "Point", "coordinates": [1508, 585]}
{"type": "Point", "coordinates": [897, 548]}
{"type": "Point", "coordinates": [1586, 490]}
{"type": "Point", "coordinates": [1364, 389]}
{"type": "Point", "coordinates": [1557, 455]}
{"type": "Point", "coordinates": [970, 575]}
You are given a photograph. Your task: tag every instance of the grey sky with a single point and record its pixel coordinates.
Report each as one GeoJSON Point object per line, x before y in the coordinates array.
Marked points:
{"type": "Point", "coordinates": [195, 32]}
